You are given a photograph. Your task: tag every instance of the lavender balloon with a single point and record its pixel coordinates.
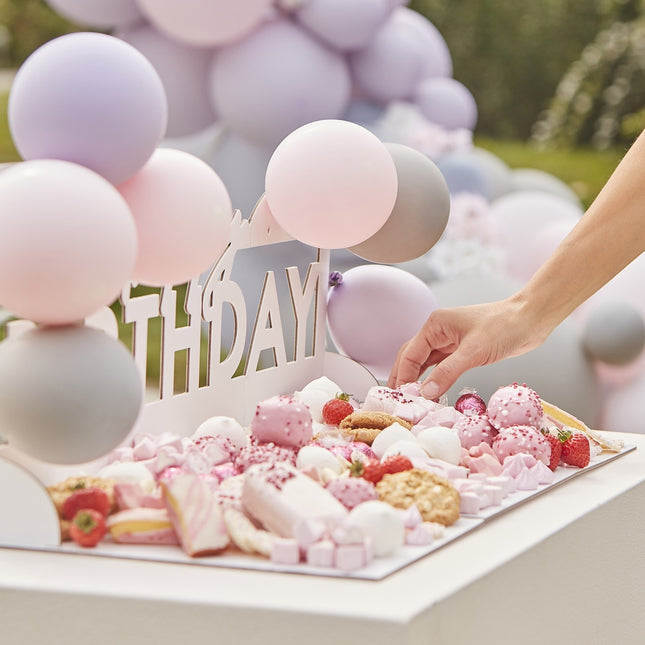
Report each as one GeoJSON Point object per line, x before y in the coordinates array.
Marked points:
{"type": "Point", "coordinates": [103, 14]}
{"type": "Point", "coordinates": [67, 394]}
{"type": "Point", "coordinates": [403, 52]}
{"type": "Point", "coordinates": [91, 99]}
{"type": "Point", "coordinates": [344, 25]}
{"type": "Point", "coordinates": [184, 73]}
{"type": "Point", "coordinates": [275, 80]}
{"type": "Point", "coordinates": [447, 103]}
{"type": "Point", "coordinates": [374, 311]}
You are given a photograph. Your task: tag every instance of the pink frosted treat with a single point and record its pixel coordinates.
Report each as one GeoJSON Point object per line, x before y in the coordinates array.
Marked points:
{"type": "Point", "coordinates": [474, 429]}
{"type": "Point", "coordinates": [260, 453]}
{"type": "Point", "coordinates": [142, 526]}
{"type": "Point", "coordinates": [281, 498]}
{"type": "Point", "coordinates": [515, 405]}
{"type": "Point", "coordinates": [195, 515]}
{"type": "Point", "coordinates": [282, 420]}
{"type": "Point", "coordinates": [522, 439]}
{"type": "Point", "coordinates": [352, 491]}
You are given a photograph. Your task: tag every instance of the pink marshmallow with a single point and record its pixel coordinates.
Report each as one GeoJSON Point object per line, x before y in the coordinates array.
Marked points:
{"type": "Point", "coordinates": [469, 503]}
{"type": "Point", "coordinates": [420, 535]}
{"type": "Point", "coordinates": [321, 554]}
{"type": "Point", "coordinates": [350, 557]}
{"type": "Point", "coordinates": [285, 551]}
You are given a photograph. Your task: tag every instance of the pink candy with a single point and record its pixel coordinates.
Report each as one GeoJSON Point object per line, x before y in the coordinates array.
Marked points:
{"type": "Point", "coordinates": [352, 491]}
{"type": "Point", "coordinates": [515, 405]}
{"type": "Point", "coordinates": [521, 439]}
{"type": "Point", "coordinates": [282, 420]}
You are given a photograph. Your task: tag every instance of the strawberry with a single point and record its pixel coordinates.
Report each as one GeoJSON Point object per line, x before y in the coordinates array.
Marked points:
{"type": "Point", "coordinates": [88, 527]}
{"type": "Point", "coordinates": [575, 448]}
{"type": "Point", "coordinates": [556, 449]}
{"type": "Point", "coordinates": [91, 497]}
{"type": "Point", "coordinates": [396, 464]}
{"type": "Point", "coordinates": [336, 409]}
{"type": "Point", "coordinates": [370, 469]}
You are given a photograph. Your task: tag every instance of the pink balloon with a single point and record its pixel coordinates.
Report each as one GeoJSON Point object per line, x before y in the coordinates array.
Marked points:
{"type": "Point", "coordinates": [183, 217]}
{"type": "Point", "coordinates": [375, 310]}
{"type": "Point", "coordinates": [277, 79]}
{"type": "Point", "coordinates": [103, 14]}
{"type": "Point", "coordinates": [447, 103]}
{"type": "Point", "coordinates": [520, 217]}
{"type": "Point", "coordinates": [184, 73]}
{"type": "Point", "coordinates": [67, 241]}
{"type": "Point", "coordinates": [403, 52]}
{"type": "Point", "coordinates": [331, 184]}
{"type": "Point", "coordinates": [205, 22]}
{"type": "Point", "coordinates": [344, 25]}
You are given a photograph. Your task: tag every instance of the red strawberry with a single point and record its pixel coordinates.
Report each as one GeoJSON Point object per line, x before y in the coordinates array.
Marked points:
{"type": "Point", "coordinates": [336, 409]}
{"type": "Point", "coordinates": [370, 469]}
{"type": "Point", "coordinates": [396, 464]}
{"type": "Point", "coordinates": [556, 449]}
{"type": "Point", "coordinates": [575, 448]}
{"type": "Point", "coordinates": [91, 497]}
{"type": "Point", "coordinates": [88, 527]}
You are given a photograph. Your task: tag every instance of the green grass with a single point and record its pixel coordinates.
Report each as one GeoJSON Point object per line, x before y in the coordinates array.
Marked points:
{"type": "Point", "coordinates": [585, 170]}
{"type": "Point", "coordinates": [8, 151]}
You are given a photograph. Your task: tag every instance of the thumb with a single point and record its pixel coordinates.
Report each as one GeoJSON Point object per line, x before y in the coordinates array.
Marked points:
{"type": "Point", "coordinates": [445, 373]}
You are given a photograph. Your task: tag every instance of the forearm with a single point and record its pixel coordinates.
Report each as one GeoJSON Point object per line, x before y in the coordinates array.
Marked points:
{"type": "Point", "coordinates": [608, 237]}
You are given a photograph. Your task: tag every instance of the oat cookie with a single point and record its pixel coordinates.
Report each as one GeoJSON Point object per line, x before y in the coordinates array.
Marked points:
{"type": "Point", "coordinates": [365, 426]}
{"type": "Point", "coordinates": [436, 498]}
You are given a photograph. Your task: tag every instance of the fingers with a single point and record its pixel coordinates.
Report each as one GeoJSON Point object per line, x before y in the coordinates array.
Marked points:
{"type": "Point", "coordinates": [446, 372]}
{"type": "Point", "coordinates": [410, 362]}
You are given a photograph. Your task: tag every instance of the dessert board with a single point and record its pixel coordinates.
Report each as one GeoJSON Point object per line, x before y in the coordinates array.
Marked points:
{"type": "Point", "coordinates": [377, 569]}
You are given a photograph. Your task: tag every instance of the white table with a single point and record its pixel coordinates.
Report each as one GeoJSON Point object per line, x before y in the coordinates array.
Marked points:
{"type": "Point", "coordinates": [566, 567]}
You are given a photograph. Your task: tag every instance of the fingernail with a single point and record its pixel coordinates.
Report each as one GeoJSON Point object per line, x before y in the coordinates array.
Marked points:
{"type": "Point", "coordinates": [430, 390]}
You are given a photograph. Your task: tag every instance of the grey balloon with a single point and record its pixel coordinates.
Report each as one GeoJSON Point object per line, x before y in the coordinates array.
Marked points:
{"type": "Point", "coordinates": [559, 370]}
{"type": "Point", "coordinates": [67, 394]}
{"type": "Point", "coordinates": [614, 333]}
{"type": "Point", "coordinates": [535, 179]}
{"type": "Point", "coordinates": [420, 213]}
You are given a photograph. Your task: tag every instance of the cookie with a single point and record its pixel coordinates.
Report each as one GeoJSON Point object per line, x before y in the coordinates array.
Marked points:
{"type": "Point", "coordinates": [365, 426]}
{"type": "Point", "coordinates": [435, 497]}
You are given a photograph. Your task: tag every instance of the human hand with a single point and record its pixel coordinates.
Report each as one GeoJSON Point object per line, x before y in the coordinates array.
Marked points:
{"type": "Point", "coordinates": [456, 340]}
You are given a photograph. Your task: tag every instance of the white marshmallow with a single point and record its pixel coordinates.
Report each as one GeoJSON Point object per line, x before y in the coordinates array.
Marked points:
{"type": "Point", "coordinates": [388, 436]}
{"type": "Point", "coordinates": [441, 443]}
{"type": "Point", "coordinates": [223, 427]}
{"type": "Point", "coordinates": [382, 523]}
{"type": "Point", "coordinates": [318, 457]}
{"type": "Point", "coordinates": [410, 449]}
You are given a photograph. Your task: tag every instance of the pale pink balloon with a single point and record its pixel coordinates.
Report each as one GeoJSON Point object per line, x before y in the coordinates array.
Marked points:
{"type": "Point", "coordinates": [68, 241]}
{"type": "Point", "coordinates": [331, 184]}
{"type": "Point", "coordinates": [205, 22]}
{"type": "Point", "coordinates": [103, 14]}
{"type": "Point", "coordinates": [183, 216]}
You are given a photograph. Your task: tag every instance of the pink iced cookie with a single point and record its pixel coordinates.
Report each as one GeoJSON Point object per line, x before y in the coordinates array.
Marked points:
{"type": "Point", "coordinates": [352, 491]}
{"type": "Point", "coordinates": [515, 405]}
{"type": "Point", "coordinates": [282, 420]}
{"type": "Point", "coordinates": [522, 439]}
{"type": "Point", "coordinates": [474, 429]}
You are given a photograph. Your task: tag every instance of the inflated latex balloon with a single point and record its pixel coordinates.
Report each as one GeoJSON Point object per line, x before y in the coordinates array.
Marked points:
{"type": "Point", "coordinates": [526, 262]}
{"type": "Point", "coordinates": [614, 333]}
{"type": "Point", "coordinates": [68, 394]}
{"type": "Point", "coordinates": [463, 173]}
{"type": "Point", "coordinates": [68, 241]}
{"type": "Point", "coordinates": [103, 14]}
{"type": "Point", "coordinates": [403, 52]}
{"type": "Point", "coordinates": [447, 103]}
{"type": "Point", "coordinates": [558, 370]}
{"type": "Point", "coordinates": [91, 99]}
{"type": "Point", "coordinates": [374, 311]}
{"type": "Point", "coordinates": [183, 214]}
{"type": "Point", "coordinates": [343, 25]}
{"type": "Point", "coordinates": [420, 213]}
{"type": "Point", "coordinates": [533, 179]}
{"type": "Point", "coordinates": [205, 23]}
{"type": "Point", "coordinates": [496, 170]}
{"type": "Point", "coordinates": [331, 184]}
{"type": "Point", "coordinates": [242, 166]}
{"type": "Point", "coordinates": [184, 72]}
{"type": "Point", "coordinates": [521, 216]}
{"type": "Point", "coordinates": [276, 79]}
